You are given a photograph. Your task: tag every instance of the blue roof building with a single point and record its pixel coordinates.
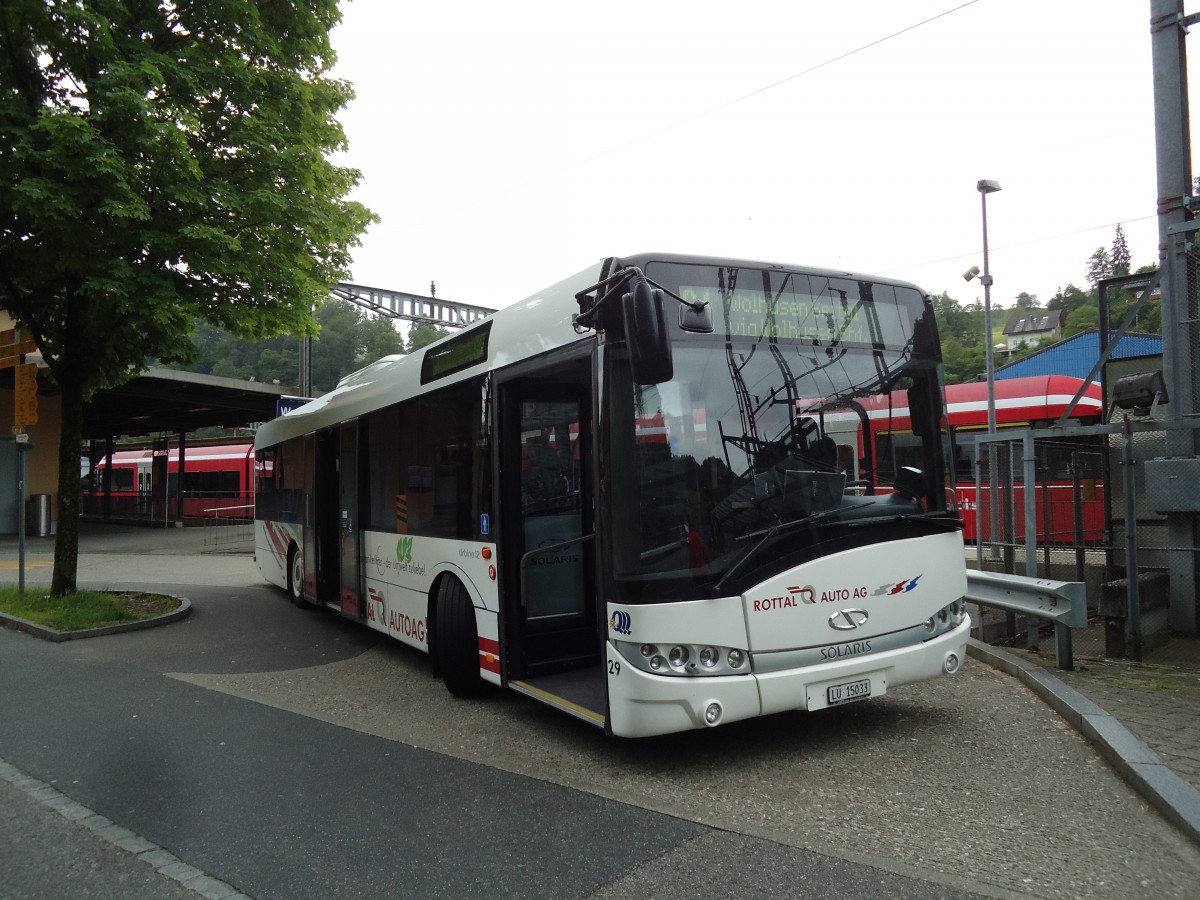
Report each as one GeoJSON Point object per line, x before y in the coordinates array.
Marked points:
{"type": "Point", "coordinates": [1077, 355]}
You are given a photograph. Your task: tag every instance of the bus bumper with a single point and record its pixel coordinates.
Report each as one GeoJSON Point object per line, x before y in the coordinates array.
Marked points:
{"type": "Point", "coordinates": [642, 704]}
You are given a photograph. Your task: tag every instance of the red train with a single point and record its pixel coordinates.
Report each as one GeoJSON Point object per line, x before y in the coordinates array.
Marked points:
{"type": "Point", "coordinates": [1070, 472]}
{"type": "Point", "coordinates": [217, 479]}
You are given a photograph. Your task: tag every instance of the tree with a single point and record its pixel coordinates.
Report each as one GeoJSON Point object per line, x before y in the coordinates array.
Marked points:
{"type": "Point", "coordinates": [1099, 267]}
{"type": "Point", "coordinates": [163, 164]}
{"type": "Point", "coordinates": [1069, 298]}
{"type": "Point", "coordinates": [1119, 257]}
{"type": "Point", "coordinates": [1026, 301]}
{"type": "Point", "coordinates": [380, 338]}
{"type": "Point", "coordinates": [424, 334]}
{"type": "Point", "coordinates": [1085, 318]}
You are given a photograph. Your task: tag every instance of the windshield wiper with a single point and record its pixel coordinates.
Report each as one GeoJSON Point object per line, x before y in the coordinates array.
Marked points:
{"type": "Point", "coordinates": [768, 533]}
{"type": "Point", "coordinates": [811, 517]}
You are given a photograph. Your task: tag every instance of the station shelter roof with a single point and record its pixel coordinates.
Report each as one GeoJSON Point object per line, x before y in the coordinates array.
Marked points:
{"type": "Point", "coordinates": [166, 400]}
{"type": "Point", "coordinates": [169, 400]}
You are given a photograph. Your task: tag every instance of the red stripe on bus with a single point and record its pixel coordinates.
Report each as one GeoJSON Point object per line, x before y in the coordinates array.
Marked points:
{"type": "Point", "coordinates": [487, 645]}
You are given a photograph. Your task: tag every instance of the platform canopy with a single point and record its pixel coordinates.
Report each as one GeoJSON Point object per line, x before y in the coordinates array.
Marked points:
{"type": "Point", "coordinates": [169, 400]}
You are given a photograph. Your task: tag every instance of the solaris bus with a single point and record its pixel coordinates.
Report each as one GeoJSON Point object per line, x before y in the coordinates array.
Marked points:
{"type": "Point", "coordinates": [618, 496]}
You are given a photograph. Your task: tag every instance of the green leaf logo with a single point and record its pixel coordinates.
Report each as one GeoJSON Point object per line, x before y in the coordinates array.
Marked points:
{"type": "Point", "coordinates": [404, 550]}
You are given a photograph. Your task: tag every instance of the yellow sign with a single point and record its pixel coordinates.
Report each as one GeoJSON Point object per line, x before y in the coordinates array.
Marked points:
{"type": "Point", "coordinates": [12, 349]}
{"type": "Point", "coordinates": [25, 411]}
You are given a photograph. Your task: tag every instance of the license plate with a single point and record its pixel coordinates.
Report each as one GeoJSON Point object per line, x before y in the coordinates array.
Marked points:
{"type": "Point", "coordinates": [848, 691]}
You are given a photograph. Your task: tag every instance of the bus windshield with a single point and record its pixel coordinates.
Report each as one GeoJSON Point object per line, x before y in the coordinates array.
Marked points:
{"type": "Point", "coordinates": [757, 453]}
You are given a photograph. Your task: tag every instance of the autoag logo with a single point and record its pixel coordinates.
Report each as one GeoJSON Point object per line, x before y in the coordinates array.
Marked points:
{"type": "Point", "coordinates": [848, 619]}
{"type": "Point", "coordinates": [796, 596]}
{"type": "Point", "coordinates": [903, 587]}
{"type": "Point", "coordinates": [621, 622]}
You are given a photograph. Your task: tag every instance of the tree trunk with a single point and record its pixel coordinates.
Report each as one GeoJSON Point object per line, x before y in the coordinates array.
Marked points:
{"type": "Point", "coordinates": [66, 544]}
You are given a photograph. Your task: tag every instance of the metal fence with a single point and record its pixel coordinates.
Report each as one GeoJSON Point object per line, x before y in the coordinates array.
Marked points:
{"type": "Point", "coordinates": [1072, 504]}
{"type": "Point", "coordinates": [149, 508]}
{"type": "Point", "coordinates": [229, 529]}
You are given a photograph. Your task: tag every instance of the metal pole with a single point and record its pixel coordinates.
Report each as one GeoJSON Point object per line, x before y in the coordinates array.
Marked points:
{"type": "Point", "coordinates": [1168, 46]}
{"type": "Point", "coordinates": [22, 446]}
{"type": "Point", "coordinates": [1030, 474]}
{"type": "Point", "coordinates": [986, 187]}
{"type": "Point", "coordinates": [1133, 597]}
{"type": "Point", "coordinates": [986, 281]}
{"type": "Point", "coordinates": [979, 507]}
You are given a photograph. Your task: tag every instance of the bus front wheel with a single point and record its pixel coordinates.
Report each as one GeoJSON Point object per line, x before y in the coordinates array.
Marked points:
{"type": "Point", "coordinates": [296, 576]}
{"type": "Point", "coordinates": [457, 640]}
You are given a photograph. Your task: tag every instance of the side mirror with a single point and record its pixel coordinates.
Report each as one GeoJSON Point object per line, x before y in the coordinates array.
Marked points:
{"type": "Point", "coordinates": [646, 333]}
{"type": "Point", "coordinates": [698, 321]}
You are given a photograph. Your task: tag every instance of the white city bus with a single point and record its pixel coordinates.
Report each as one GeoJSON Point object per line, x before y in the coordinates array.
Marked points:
{"type": "Point", "coordinates": [618, 496]}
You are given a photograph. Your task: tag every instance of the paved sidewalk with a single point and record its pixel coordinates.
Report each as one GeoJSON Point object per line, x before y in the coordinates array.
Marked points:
{"type": "Point", "coordinates": [1144, 718]}
{"type": "Point", "coordinates": [1157, 702]}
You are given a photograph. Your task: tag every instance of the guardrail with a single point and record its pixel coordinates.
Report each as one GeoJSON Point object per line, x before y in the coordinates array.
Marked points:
{"type": "Point", "coordinates": [228, 527]}
{"type": "Point", "coordinates": [1064, 603]}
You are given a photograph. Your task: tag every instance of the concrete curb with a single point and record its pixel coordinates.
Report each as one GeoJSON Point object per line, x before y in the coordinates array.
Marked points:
{"type": "Point", "coordinates": [1177, 800]}
{"type": "Point", "coordinates": [50, 634]}
{"type": "Point", "coordinates": [165, 862]}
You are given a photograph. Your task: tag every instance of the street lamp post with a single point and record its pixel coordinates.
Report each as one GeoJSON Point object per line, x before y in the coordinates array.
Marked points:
{"type": "Point", "coordinates": [986, 186]}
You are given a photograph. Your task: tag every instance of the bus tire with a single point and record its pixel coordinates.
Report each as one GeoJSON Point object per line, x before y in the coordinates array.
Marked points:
{"type": "Point", "coordinates": [457, 640]}
{"type": "Point", "coordinates": [295, 577]}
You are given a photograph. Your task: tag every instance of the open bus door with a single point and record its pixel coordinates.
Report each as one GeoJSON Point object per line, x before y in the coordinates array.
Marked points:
{"type": "Point", "coordinates": [551, 632]}
{"type": "Point", "coordinates": [335, 561]}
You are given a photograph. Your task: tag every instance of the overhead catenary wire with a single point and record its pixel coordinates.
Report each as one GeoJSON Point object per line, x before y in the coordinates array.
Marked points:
{"type": "Point", "coordinates": [686, 120]}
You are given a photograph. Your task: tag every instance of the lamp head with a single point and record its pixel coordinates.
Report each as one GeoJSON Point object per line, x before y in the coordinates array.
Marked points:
{"type": "Point", "coordinates": [970, 273]}
{"type": "Point", "coordinates": [987, 186]}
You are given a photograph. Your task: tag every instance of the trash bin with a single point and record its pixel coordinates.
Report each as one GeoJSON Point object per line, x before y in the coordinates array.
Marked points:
{"type": "Point", "coordinates": [37, 515]}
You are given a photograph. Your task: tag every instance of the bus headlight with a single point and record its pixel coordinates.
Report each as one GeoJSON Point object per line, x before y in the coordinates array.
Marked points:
{"type": "Point", "coordinates": [687, 660]}
{"type": "Point", "coordinates": [947, 618]}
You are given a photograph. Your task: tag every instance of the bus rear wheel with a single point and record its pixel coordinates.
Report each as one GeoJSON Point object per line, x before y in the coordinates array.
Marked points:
{"type": "Point", "coordinates": [457, 640]}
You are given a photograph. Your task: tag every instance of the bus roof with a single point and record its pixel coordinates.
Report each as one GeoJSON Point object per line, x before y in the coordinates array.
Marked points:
{"type": "Point", "coordinates": [531, 326]}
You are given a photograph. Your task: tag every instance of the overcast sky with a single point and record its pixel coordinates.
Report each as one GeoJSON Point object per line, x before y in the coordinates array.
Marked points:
{"type": "Point", "coordinates": [506, 145]}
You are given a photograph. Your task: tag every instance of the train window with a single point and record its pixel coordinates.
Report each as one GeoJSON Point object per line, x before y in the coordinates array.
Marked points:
{"type": "Point", "coordinates": [893, 451]}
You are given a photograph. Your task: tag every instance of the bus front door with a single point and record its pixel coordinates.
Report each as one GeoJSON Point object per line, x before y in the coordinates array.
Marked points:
{"type": "Point", "coordinates": [550, 608]}
{"type": "Point", "coordinates": [336, 520]}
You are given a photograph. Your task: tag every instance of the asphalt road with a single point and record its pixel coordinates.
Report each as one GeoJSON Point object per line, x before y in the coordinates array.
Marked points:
{"type": "Point", "coordinates": [293, 754]}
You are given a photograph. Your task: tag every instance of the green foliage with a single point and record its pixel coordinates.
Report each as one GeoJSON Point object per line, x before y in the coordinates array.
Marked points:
{"type": "Point", "coordinates": [349, 338]}
{"type": "Point", "coordinates": [1069, 298]}
{"type": "Point", "coordinates": [1099, 267]}
{"type": "Point", "coordinates": [83, 609]}
{"type": "Point", "coordinates": [961, 329]}
{"type": "Point", "coordinates": [423, 335]}
{"type": "Point", "coordinates": [1119, 257]}
{"type": "Point", "coordinates": [1085, 318]}
{"type": "Point", "coordinates": [164, 164]}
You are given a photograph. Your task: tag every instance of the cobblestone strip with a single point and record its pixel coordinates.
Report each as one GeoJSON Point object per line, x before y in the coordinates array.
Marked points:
{"type": "Point", "coordinates": [165, 862]}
